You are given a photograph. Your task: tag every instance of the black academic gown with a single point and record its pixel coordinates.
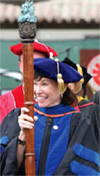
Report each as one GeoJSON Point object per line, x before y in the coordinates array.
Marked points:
{"type": "Point", "coordinates": [93, 111]}
{"type": "Point", "coordinates": [96, 98]}
{"type": "Point", "coordinates": [73, 160]}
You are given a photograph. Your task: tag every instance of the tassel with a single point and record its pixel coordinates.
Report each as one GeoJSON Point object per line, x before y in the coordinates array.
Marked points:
{"type": "Point", "coordinates": [79, 69]}
{"type": "Point", "coordinates": [60, 81]}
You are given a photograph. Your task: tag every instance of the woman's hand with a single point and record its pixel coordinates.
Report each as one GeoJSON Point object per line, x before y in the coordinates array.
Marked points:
{"type": "Point", "coordinates": [25, 122]}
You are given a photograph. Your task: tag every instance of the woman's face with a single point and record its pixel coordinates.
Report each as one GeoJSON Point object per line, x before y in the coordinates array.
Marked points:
{"type": "Point", "coordinates": [46, 92]}
{"type": "Point", "coordinates": [75, 87]}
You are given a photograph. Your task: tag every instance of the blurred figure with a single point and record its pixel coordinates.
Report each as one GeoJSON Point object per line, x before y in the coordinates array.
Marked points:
{"type": "Point", "coordinates": [79, 89]}
{"type": "Point", "coordinates": [96, 98]}
{"type": "Point", "coordinates": [15, 98]}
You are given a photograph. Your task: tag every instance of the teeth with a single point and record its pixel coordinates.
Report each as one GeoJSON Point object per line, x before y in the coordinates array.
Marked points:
{"type": "Point", "coordinates": [41, 98]}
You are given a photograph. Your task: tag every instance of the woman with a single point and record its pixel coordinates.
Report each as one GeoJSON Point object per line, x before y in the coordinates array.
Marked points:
{"type": "Point", "coordinates": [64, 139]}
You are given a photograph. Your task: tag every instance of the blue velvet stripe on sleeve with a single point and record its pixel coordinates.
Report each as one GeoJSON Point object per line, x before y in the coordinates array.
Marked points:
{"type": "Point", "coordinates": [3, 141]}
{"type": "Point", "coordinates": [86, 153]}
{"type": "Point", "coordinates": [81, 169]}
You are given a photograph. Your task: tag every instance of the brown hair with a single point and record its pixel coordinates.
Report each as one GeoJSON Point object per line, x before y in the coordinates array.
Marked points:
{"type": "Point", "coordinates": [69, 98]}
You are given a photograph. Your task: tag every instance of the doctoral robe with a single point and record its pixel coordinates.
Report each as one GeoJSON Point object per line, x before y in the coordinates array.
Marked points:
{"type": "Point", "coordinates": [65, 143]}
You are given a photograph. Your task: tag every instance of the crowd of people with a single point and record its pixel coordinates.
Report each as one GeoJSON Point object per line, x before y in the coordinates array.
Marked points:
{"type": "Point", "coordinates": [66, 124]}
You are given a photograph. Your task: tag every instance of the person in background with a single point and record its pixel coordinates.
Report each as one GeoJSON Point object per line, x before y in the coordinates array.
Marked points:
{"type": "Point", "coordinates": [15, 98]}
{"type": "Point", "coordinates": [65, 143]}
{"type": "Point", "coordinates": [96, 98]}
{"type": "Point", "coordinates": [79, 89]}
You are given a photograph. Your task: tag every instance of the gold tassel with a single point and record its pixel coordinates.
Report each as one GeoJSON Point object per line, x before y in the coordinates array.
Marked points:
{"type": "Point", "coordinates": [79, 69]}
{"type": "Point", "coordinates": [60, 80]}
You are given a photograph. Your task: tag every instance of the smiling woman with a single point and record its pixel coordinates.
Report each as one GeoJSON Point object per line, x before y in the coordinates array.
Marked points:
{"type": "Point", "coordinates": [42, 71]}
{"type": "Point", "coordinates": [64, 138]}
{"type": "Point", "coordinates": [47, 89]}
{"type": "Point", "coordinates": [46, 92]}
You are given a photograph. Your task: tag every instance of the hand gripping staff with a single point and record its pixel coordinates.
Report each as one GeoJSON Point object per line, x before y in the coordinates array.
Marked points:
{"type": "Point", "coordinates": [27, 30]}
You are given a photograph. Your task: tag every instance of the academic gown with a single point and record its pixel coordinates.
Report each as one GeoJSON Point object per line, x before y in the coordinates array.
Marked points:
{"type": "Point", "coordinates": [65, 143]}
{"type": "Point", "coordinates": [96, 98]}
{"type": "Point", "coordinates": [93, 111]}
{"type": "Point", "coordinates": [10, 100]}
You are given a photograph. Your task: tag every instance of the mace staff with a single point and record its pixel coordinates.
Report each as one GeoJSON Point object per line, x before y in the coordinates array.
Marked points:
{"type": "Point", "coordinates": [27, 30]}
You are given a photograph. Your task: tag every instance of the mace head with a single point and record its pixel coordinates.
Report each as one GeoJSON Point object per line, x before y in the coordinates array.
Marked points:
{"type": "Point", "coordinates": [27, 21]}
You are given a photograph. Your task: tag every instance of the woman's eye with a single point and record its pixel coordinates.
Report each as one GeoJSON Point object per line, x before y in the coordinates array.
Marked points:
{"type": "Point", "coordinates": [44, 83]}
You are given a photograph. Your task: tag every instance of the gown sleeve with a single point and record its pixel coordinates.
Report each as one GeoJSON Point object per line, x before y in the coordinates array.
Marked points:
{"type": "Point", "coordinates": [8, 143]}
{"type": "Point", "coordinates": [93, 111]}
{"type": "Point", "coordinates": [81, 157]}
{"type": "Point", "coordinates": [95, 118]}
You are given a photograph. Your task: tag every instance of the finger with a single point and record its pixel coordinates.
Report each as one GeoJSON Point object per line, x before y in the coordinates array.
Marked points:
{"type": "Point", "coordinates": [24, 109]}
{"type": "Point", "coordinates": [25, 124]}
{"type": "Point", "coordinates": [25, 117]}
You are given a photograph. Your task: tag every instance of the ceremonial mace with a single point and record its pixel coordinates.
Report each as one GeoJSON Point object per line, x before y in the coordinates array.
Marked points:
{"type": "Point", "coordinates": [27, 31]}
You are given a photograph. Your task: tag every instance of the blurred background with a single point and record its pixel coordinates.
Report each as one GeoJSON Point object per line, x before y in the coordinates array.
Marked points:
{"type": "Point", "coordinates": [71, 27]}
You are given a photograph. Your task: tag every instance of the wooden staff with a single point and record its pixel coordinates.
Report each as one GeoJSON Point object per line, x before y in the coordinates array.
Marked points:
{"type": "Point", "coordinates": [27, 32]}
{"type": "Point", "coordinates": [28, 101]}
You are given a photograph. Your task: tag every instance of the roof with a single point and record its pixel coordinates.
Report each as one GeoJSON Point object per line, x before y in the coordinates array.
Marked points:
{"type": "Point", "coordinates": [56, 10]}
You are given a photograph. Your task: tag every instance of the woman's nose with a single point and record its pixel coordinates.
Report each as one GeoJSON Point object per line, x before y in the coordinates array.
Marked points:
{"type": "Point", "coordinates": [37, 89]}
